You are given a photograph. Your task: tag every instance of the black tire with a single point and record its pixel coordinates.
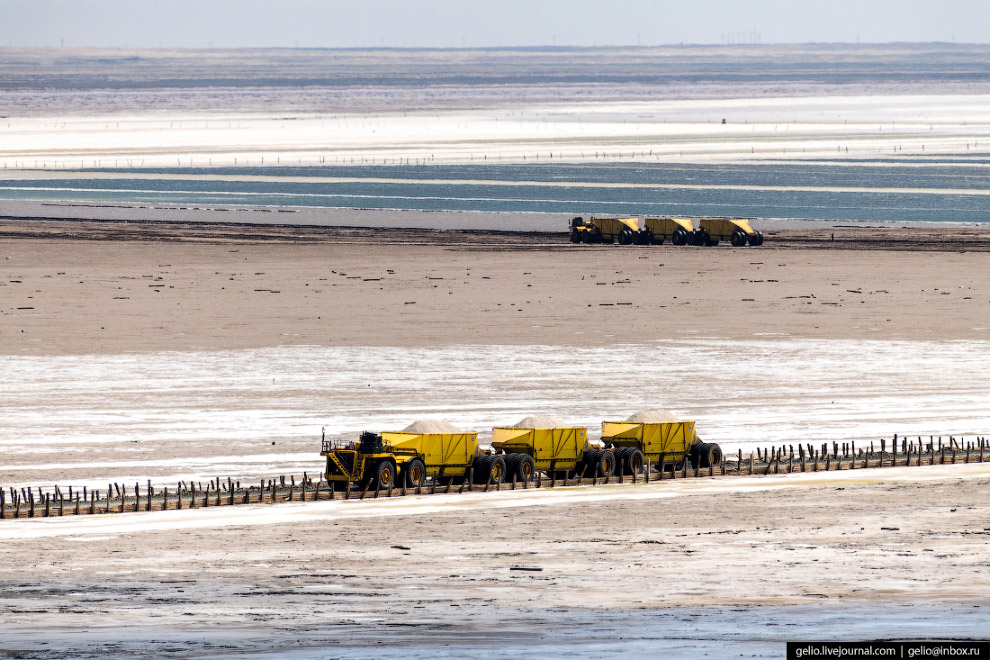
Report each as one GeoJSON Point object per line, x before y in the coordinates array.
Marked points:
{"type": "Point", "coordinates": [592, 237]}
{"type": "Point", "coordinates": [498, 469]}
{"type": "Point", "coordinates": [738, 238]}
{"type": "Point", "coordinates": [634, 461]}
{"type": "Point", "coordinates": [756, 239]}
{"type": "Point", "coordinates": [589, 463]}
{"type": "Point", "coordinates": [606, 465]}
{"type": "Point", "coordinates": [701, 237]}
{"type": "Point", "coordinates": [384, 474]}
{"type": "Point", "coordinates": [524, 469]}
{"type": "Point", "coordinates": [711, 242]}
{"type": "Point", "coordinates": [679, 237]}
{"type": "Point", "coordinates": [625, 236]}
{"type": "Point", "coordinates": [620, 459]}
{"type": "Point", "coordinates": [415, 473]}
{"type": "Point", "coordinates": [489, 469]}
{"type": "Point", "coordinates": [656, 240]}
{"type": "Point", "coordinates": [710, 454]}
{"type": "Point", "coordinates": [644, 237]}
{"type": "Point", "coordinates": [576, 236]}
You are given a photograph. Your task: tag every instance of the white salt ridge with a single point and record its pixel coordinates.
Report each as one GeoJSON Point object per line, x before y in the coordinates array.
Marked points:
{"type": "Point", "coordinates": [541, 422]}
{"type": "Point", "coordinates": [653, 416]}
{"type": "Point", "coordinates": [431, 426]}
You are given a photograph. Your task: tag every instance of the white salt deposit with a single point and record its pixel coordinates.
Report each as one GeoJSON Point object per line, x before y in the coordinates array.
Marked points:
{"type": "Point", "coordinates": [653, 416]}
{"type": "Point", "coordinates": [541, 422]}
{"type": "Point", "coordinates": [431, 426]}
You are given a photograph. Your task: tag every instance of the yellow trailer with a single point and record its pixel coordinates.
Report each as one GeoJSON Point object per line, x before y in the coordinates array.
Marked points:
{"type": "Point", "coordinates": [604, 230]}
{"type": "Point", "coordinates": [735, 230]}
{"type": "Point", "coordinates": [657, 230]}
{"type": "Point", "coordinates": [562, 450]}
{"type": "Point", "coordinates": [396, 456]}
{"type": "Point", "coordinates": [665, 444]}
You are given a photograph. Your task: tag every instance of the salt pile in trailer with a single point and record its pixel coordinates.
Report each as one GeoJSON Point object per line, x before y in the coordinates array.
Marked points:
{"type": "Point", "coordinates": [431, 426]}
{"type": "Point", "coordinates": [653, 416]}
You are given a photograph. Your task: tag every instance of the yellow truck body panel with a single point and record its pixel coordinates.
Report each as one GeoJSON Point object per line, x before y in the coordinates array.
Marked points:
{"type": "Point", "coordinates": [671, 439]}
{"type": "Point", "coordinates": [665, 227]}
{"type": "Point", "coordinates": [451, 453]}
{"type": "Point", "coordinates": [608, 228]}
{"type": "Point", "coordinates": [559, 448]}
{"type": "Point", "coordinates": [722, 228]}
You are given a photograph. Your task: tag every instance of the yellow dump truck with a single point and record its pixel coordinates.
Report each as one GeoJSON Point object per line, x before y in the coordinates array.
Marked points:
{"type": "Point", "coordinates": [735, 230]}
{"type": "Point", "coordinates": [396, 456]}
{"type": "Point", "coordinates": [657, 230]}
{"type": "Point", "coordinates": [667, 445]}
{"type": "Point", "coordinates": [560, 451]}
{"type": "Point", "coordinates": [604, 230]}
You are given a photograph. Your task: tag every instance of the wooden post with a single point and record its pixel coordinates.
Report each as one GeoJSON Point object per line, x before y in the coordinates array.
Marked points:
{"type": "Point", "coordinates": [378, 488]}
{"type": "Point", "coordinates": [661, 465]}
{"type": "Point", "coordinates": [433, 486]}
{"type": "Point", "coordinates": [48, 505]}
{"type": "Point", "coordinates": [391, 483]}
{"type": "Point", "coordinates": [367, 484]}
{"type": "Point", "coordinates": [513, 481]}
{"type": "Point", "coordinates": [553, 473]}
{"type": "Point", "coordinates": [403, 486]}
{"type": "Point", "coordinates": [646, 475]}
{"type": "Point", "coordinates": [76, 511]}
{"type": "Point", "coordinates": [3, 513]}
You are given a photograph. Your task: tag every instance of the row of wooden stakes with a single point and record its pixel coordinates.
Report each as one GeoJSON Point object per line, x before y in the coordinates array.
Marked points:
{"type": "Point", "coordinates": [25, 503]}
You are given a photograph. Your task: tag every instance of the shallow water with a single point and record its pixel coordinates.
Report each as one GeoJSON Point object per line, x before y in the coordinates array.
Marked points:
{"type": "Point", "coordinates": [254, 413]}
{"type": "Point", "coordinates": [916, 189]}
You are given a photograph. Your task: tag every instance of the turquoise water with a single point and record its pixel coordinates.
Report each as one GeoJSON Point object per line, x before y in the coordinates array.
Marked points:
{"type": "Point", "coordinates": [928, 190]}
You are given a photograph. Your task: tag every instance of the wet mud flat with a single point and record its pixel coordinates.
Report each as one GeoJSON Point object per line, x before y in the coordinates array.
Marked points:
{"type": "Point", "coordinates": [735, 566]}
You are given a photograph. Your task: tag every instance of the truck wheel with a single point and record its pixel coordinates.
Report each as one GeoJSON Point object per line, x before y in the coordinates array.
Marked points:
{"type": "Point", "coordinates": [620, 459]}
{"type": "Point", "coordinates": [634, 461]}
{"type": "Point", "coordinates": [679, 237]}
{"type": "Point", "coordinates": [482, 469]}
{"type": "Point", "coordinates": [576, 236]}
{"type": "Point", "coordinates": [606, 465]}
{"type": "Point", "coordinates": [738, 238]}
{"type": "Point", "coordinates": [498, 469]}
{"type": "Point", "coordinates": [756, 239]}
{"type": "Point", "coordinates": [625, 236]}
{"type": "Point", "coordinates": [385, 474]}
{"type": "Point", "coordinates": [644, 237]}
{"type": "Point", "coordinates": [415, 473]}
{"type": "Point", "coordinates": [708, 454]}
{"type": "Point", "coordinates": [525, 467]}
{"type": "Point", "coordinates": [700, 237]}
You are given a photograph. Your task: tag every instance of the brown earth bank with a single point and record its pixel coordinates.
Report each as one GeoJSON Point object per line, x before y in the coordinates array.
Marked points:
{"type": "Point", "coordinates": [95, 287]}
